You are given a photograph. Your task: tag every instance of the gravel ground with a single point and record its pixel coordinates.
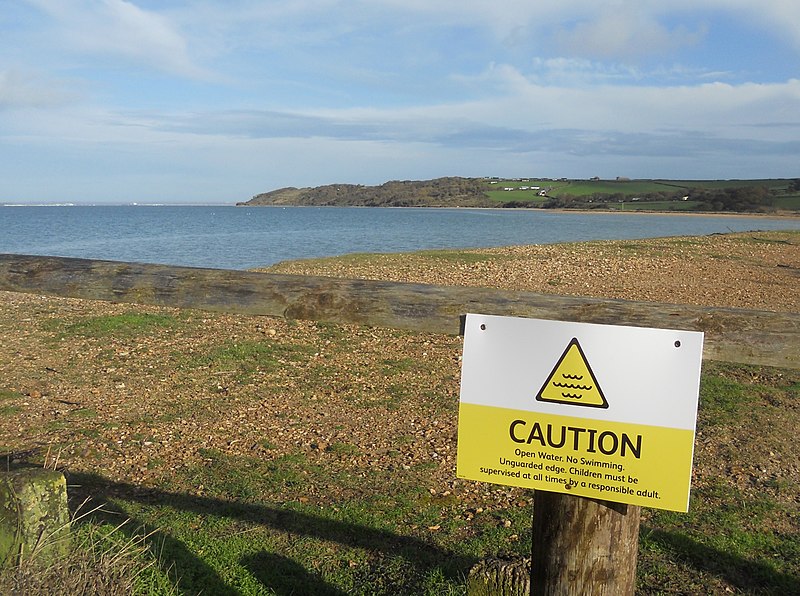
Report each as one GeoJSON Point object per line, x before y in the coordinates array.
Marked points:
{"type": "Point", "coordinates": [750, 270]}
{"type": "Point", "coordinates": [140, 405]}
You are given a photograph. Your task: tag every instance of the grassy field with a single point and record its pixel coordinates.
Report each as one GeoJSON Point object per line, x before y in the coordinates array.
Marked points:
{"type": "Point", "coordinates": [642, 190]}
{"type": "Point", "coordinates": [777, 184]}
{"type": "Point", "coordinates": [298, 515]}
{"type": "Point", "coordinates": [629, 189]}
{"type": "Point", "coordinates": [788, 202]}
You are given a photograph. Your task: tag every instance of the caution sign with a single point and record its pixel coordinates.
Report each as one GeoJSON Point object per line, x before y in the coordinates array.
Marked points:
{"type": "Point", "coordinates": [631, 442]}
{"type": "Point", "coordinates": [572, 381]}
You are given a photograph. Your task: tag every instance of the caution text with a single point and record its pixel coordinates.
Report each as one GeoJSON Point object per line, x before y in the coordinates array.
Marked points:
{"type": "Point", "coordinates": [589, 440]}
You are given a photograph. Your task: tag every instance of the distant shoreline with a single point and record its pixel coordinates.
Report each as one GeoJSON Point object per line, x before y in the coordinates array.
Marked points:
{"type": "Point", "coordinates": [776, 215]}
{"type": "Point", "coordinates": [738, 214]}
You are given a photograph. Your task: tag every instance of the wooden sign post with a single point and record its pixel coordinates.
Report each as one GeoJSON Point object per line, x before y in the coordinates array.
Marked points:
{"type": "Point", "coordinates": [598, 419]}
{"type": "Point", "coordinates": [583, 546]}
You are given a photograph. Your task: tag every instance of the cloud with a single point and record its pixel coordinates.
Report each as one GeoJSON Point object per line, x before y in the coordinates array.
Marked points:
{"type": "Point", "coordinates": [623, 35]}
{"type": "Point", "coordinates": [21, 89]}
{"type": "Point", "coordinates": [598, 30]}
{"type": "Point", "coordinates": [781, 17]}
{"type": "Point", "coordinates": [595, 120]}
{"type": "Point", "coordinates": [121, 28]}
{"type": "Point", "coordinates": [170, 38]}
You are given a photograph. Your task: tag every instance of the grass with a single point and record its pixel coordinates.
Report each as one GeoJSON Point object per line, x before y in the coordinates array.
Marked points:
{"type": "Point", "coordinates": [789, 202]}
{"type": "Point", "coordinates": [233, 541]}
{"type": "Point", "coordinates": [5, 394]}
{"type": "Point", "coordinates": [722, 398]}
{"type": "Point", "coordinates": [633, 188]}
{"type": "Point", "coordinates": [502, 196]}
{"type": "Point", "coordinates": [103, 558]}
{"type": "Point", "coordinates": [777, 184]}
{"type": "Point", "coordinates": [9, 409]}
{"type": "Point", "coordinates": [243, 358]}
{"type": "Point", "coordinates": [121, 325]}
{"type": "Point", "coordinates": [740, 534]}
{"type": "Point", "coordinates": [725, 536]}
{"type": "Point", "coordinates": [281, 518]}
{"type": "Point", "coordinates": [259, 527]}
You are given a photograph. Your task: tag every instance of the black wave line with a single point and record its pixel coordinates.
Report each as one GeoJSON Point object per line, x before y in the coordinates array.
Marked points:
{"type": "Point", "coordinates": [572, 395]}
{"type": "Point", "coordinates": [575, 377]}
{"type": "Point", "coordinates": [571, 386]}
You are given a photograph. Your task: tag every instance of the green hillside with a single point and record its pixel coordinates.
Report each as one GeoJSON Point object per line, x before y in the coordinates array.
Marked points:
{"type": "Point", "coordinates": [759, 196]}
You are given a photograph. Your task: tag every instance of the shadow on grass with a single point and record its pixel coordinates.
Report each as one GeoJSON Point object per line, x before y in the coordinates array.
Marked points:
{"type": "Point", "coordinates": [284, 576]}
{"type": "Point", "coordinates": [275, 572]}
{"type": "Point", "coordinates": [751, 577]}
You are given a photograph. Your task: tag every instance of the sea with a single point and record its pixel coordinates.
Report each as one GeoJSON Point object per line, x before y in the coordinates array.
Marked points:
{"type": "Point", "coordinates": [230, 237]}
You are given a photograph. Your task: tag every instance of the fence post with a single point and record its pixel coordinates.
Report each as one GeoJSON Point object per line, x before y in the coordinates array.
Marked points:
{"type": "Point", "coordinates": [34, 517]}
{"type": "Point", "coordinates": [583, 546]}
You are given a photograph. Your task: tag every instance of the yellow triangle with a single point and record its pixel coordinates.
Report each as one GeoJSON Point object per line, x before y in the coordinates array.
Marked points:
{"type": "Point", "coordinates": [572, 381]}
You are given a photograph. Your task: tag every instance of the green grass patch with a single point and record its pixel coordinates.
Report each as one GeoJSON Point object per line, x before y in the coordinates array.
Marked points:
{"type": "Point", "coordinates": [248, 479]}
{"type": "Point", "coordinates": [725, 536]}
{"type": "Point", "coordinates": [122, 325]}
{"type": "Point", "coordinates": [344, 449]}
{"type": "Point", "coordinates": [506, 196]}
{"type": "Point", "coordinates": [393, 366]}
{"type": "Point", "coordinates": [609, 191]}
{"type": "Point", "coordinates": [84, 413]}
{"type": "Point", "coordinates": [776, 184]}
{"type": "Point", "coordinates": [788, 202]}
{"type": "Point", "coordinates": [583, 188]}
{"type": "Point", "coordinates": [236, 541]}
{"type": "Point", "coordinates": [722, 398]}
{"type": "Point", "coordinates": [244, 358]}
{"type": "Point", "coordinates": [104, 558]}
{"type": "Point", "coordinates": [334, 333]}
{"type": "Point", "coordinates": [6, 395]}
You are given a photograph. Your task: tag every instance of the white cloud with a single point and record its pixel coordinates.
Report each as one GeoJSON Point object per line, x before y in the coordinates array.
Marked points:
{"type": "Point", "coordinates": [623, 35]}
{"type": "Point", "coordinates": [524, 117]}
{"type": "Point", "coordinates": [121, 28]}
{"type": "Point", "coordinates": [715, 108]}
{"type": "Point", "coordinates": [622, 28]}
{"type": "Point", "coordinates": [21, 89]}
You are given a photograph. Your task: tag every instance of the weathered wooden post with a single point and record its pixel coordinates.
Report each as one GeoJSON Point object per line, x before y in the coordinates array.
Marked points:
{"type": "Point", "coordinates": [583, 546]}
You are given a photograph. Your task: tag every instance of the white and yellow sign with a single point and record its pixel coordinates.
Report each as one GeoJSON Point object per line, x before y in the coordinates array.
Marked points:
{"type": "Point", "coordinates": [599, 411]}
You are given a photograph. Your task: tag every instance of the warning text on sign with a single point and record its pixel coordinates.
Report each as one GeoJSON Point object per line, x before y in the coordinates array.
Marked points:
{"type": "Point", "coordinates": [605, 462]}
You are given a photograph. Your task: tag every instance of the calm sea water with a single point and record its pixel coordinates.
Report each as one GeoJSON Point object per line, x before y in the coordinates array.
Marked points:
{"type": "Point", "coordinates": [244, 237]}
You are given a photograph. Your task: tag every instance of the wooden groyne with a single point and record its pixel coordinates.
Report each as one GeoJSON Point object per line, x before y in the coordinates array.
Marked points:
{"type": "Point", "coordinates": [731, 335]}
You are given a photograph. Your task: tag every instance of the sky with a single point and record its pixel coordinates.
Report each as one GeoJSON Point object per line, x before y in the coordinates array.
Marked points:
{"type": "Point", "coordinates": [196, 101]}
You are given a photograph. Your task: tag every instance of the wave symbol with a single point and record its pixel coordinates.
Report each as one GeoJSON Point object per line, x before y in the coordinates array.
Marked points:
{"type": "Point", "coordinates": [573, 377]}
{"type": "Point", "coordinates": [573, 386]}
{"type": "Point", "coordinates": [572, 395]}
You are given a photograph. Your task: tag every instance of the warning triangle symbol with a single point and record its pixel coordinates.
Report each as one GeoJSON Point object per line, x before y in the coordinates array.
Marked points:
{"type": "Point", "coordinates": [572, 381]}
